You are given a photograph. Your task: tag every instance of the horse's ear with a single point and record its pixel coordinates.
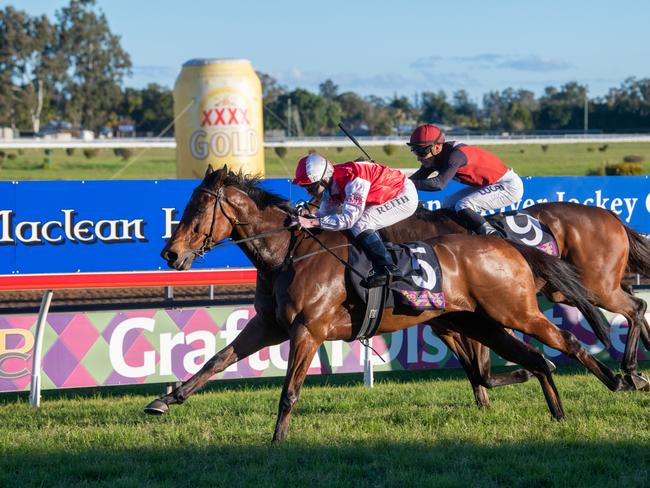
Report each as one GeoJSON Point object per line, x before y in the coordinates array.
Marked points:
{"type": "Point", "coordinates": [225, 169]}
{"type": "Point", "coordinates": [208, 171]}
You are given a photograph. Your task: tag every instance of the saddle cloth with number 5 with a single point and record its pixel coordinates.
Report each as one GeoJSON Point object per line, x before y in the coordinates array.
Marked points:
{"type": "Point", "coordinates": [520, 227]}
{"type": "Point", "coordinates": [422, 287]}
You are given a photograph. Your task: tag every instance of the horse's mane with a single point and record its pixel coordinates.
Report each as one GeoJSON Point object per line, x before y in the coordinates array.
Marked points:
{"type": "Point", "coordinates": [439, 215]}
{"type": "Point", "coordinates": [248, 184]}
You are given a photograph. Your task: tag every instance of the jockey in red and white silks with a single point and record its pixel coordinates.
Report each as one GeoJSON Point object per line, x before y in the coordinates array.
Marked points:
{"type": "Point", "coordinates": [361, 196]}
{"type": "Point", "coordinates": [369, 195]}
{"type": "Point", "coordinates": [492, 185]}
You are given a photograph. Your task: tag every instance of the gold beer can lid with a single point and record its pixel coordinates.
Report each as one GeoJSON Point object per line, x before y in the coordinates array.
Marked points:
{"type": "Point", "coordinates": [206, 61]}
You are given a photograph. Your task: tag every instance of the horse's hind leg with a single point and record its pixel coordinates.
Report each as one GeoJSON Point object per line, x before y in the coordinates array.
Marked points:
{"type": "Point", "coordinates": [538, 326]}
{"type": "Point", "coordinates": [633, 309]}
{"type": "Point", "coordinates": [303, 348]}
{"type": "Point", "coordinates": [256, 335]}
{"type": "Point", "coordinates": [475, 359]}
{"type": "Point", "coordinates": [641, 307]}
{"type": "Point", "coordinates": [480, 356]}
{"type": "Point", "coordinates": [637, 326]}
{"type": "Point", "coordinates": [494, 336]}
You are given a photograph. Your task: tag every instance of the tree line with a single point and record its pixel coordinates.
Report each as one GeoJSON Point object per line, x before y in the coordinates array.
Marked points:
{"type": "Point", "coordinates": [73, 69]}
{"type": "Point", "coordinates": [624, 108]}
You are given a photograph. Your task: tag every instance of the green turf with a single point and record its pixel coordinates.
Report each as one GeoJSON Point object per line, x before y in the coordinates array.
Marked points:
{"type": "Point", "coordinates": [417, 429]}
{"type": "Point", "coordinates": [528, 160]}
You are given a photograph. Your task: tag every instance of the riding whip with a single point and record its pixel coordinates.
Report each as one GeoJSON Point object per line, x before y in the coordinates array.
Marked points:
{"type": "Point", "coordinates": [353, 139]}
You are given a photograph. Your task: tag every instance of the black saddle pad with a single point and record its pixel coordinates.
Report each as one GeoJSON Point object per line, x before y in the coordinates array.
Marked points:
{"type": "Point", "coordinates": [520, 227]}
{"type": "Point", "coordinates": [422, 288]}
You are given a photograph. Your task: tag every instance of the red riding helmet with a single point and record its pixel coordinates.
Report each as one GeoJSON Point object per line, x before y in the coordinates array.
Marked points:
{"type": "Point", "coordinates": [312, 169]}
{"type": "Point", "coordinates": [426, 135]}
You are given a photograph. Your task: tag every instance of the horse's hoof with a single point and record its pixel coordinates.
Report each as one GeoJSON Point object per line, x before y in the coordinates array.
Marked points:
{"type": "Point", "coordinates": [638, 381]}
{"type": "Point", "coordinates": [551, 364]}
{"type": "Point", "coordinates": [157, 407]}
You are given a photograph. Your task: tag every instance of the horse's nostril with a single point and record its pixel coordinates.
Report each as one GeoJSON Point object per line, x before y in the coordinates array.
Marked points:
{"type": "Point", "coordinates": [169, 256]}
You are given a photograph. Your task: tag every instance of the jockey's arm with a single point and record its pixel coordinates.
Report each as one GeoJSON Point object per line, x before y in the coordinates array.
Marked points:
{"type": "Point", "coordinates": [422, 173]}
{"type": "Point", "coordinates": [356, 193]}
{"type": "Point", "coordinates": [456, 160]}
{"type": "Point", "coordinates": [327, 207]}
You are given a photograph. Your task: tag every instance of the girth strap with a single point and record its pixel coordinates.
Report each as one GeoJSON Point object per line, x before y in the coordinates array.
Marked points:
{"type": "Point", "coordinates": [374, 312]}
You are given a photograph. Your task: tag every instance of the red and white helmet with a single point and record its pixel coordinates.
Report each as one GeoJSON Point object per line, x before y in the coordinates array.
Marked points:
{"type": "Point", "coordinates": [312, 169]}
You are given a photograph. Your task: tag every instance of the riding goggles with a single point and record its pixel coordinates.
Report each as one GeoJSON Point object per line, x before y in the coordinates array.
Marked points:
{"type": "Point", "coordinates": [313, 188]}
{"type": "Point", "coordinates": [421, 151]}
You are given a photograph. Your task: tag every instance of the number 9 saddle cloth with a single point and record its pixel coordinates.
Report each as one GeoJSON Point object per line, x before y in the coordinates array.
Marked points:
{"type": "Point", "coordinates": [520, 227]}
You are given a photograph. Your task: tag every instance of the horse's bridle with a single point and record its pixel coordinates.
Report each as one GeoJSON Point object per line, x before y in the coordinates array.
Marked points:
{"type": "Point", "coordinates": [208, 242]}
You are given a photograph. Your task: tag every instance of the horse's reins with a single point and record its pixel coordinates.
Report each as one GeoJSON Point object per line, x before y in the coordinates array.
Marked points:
{"type": "Point", "coordinates": [313, 236]}
{"type": "Point", "coordinates": [209, 244]}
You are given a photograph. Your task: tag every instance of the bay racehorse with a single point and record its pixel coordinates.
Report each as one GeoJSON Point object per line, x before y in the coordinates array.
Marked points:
{"type": "Point", "coordinates": [592, 239]}
{"type": "Point", "coordinates": [302, 294]}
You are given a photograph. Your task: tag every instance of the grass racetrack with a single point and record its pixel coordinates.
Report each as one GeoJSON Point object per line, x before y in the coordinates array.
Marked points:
{"type": "Point", "coordinates": [412, 429]}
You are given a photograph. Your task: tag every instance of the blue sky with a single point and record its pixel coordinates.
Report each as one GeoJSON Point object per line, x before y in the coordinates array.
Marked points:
{"type": "Point", "coordinates": [385, 48]}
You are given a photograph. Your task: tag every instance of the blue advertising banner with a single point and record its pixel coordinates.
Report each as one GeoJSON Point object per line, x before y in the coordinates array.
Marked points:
{"type": "Point", "coordinates": [626, 196]}
{"type": "Point", "coordinates": [104, 226]}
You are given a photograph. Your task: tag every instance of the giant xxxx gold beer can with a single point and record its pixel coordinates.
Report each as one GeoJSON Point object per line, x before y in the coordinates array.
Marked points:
{"type": "Point", "coordinates": [218, 112]}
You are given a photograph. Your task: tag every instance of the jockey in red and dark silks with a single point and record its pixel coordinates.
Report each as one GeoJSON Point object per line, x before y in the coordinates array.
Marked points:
{"type": "Point", "coordinates": [492, 185]}
{"type": "Point", "coordinates": [361, 196]}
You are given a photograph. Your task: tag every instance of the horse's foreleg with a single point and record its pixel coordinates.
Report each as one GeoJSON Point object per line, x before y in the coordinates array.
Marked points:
{"type": "Point", "coordinates": [475, 359]}
{"type": "Point", "coordinates": [303, 348]}
{"type": "Point", "coordinates": [454, 343]}
{"type": "Point", "coordinates": [256, 335]}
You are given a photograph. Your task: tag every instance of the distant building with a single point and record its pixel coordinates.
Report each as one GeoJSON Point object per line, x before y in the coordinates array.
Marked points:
{"type": "Point", "coordinates": [61, 130]}
{"type": "Point", "coordinates": [125, 128]}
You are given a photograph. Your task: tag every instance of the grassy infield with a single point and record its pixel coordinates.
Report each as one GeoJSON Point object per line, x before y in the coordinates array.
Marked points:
{"type": "Point", "coordinates": [527, 160]}
{"type": "Point", "coordinates": [413, 429]}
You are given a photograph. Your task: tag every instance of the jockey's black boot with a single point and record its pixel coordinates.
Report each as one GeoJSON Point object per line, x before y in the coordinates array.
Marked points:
{"type": "Point", "coordinates": [475, 222]}
{"type": "Point", "coordinates": [383, 269]}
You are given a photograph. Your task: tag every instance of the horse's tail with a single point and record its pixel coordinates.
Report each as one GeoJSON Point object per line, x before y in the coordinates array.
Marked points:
{"type": "Point", "coordinates": [563, 277]}
{"type": "Point", "coordinates": [638, 260]}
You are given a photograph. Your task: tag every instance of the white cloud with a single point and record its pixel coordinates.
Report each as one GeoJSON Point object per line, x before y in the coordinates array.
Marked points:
{"type": "Point", "coordinates": [426, 63]}
{"type": "Point", "coordinates": [382, 84]}
{"type": "Point", "coordinates": [489, 61]}
{"type": "Point", "coordinates": [479, 58]}
{"type": "Point", "coordinates": [534, 63]}
{"type": "Point", "coordinates": [154, 73]}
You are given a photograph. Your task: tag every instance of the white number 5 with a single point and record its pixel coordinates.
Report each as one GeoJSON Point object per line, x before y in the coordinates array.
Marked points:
{"type": "Point", "coordinates": [428, 278]}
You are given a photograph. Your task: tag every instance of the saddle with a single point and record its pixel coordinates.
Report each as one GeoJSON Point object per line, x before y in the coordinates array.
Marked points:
{"type": "Point", "coordinates": [521, 227]}
{"type": "Point", "coordinates": [420, 290]}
